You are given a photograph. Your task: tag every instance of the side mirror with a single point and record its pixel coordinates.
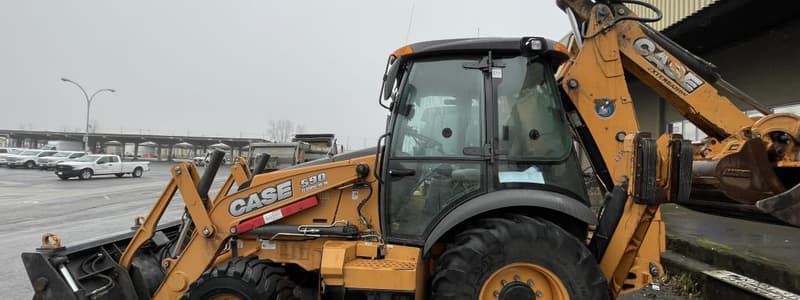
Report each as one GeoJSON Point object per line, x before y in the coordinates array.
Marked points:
{"type": "Point", "coordinates": [390, 79]}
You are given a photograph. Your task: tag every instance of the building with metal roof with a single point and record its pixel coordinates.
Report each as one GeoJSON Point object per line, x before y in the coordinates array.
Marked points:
{"type": "Point", "coordinates": [753, 43]}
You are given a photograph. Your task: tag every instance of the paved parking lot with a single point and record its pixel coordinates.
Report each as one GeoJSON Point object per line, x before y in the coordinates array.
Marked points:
{"type": "Point", "coordinates": [34, 201]}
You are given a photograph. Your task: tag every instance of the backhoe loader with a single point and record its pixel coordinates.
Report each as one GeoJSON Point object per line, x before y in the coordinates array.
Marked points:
{"type": "Point", "coordinates": [473, 192]}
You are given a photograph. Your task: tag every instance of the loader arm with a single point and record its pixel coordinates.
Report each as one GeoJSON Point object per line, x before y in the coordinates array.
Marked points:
{"type": "Point", "coordinates": [147, 228]}
{"type": "Point", "coordinates": [616, 41]}
{"type": "Point", "coordinates": [216, 222]}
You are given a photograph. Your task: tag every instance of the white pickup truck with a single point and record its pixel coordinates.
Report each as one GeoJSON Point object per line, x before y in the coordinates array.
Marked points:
{"type": "Point", "coordinates": [99, 164]}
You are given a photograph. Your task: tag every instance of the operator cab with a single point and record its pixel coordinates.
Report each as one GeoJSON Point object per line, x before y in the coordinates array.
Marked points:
{"type": "Point", "coordinates": [470, 117]}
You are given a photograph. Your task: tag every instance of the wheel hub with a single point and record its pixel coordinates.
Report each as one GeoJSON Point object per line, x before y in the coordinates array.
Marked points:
{"type": "Point", "coordinates": [517, 290]}
{"type": "Point", "coordinates": [523, 281]}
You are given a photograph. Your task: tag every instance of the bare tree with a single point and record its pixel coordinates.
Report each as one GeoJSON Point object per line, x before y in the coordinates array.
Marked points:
{"type": "Point", "coordinates": [283, 130]}
{"type": "Point", "coordinates": [280, 130]}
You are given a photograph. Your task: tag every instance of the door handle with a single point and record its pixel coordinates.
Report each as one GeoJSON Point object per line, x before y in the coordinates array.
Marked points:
{"type": "Point", "coordinates": [402, 172]}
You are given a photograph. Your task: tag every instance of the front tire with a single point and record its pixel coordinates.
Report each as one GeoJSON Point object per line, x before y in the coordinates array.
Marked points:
{"type": "Point", "coordinates": [517, 257]}
{"type": "Point", "coordinates": [137, 172]}
{"type": "Point", "coordinates": [30, 164]}
{"type": "Point", "coordinates": [86, 174]}
{"type": "Point", "coordinates": [245, 278]}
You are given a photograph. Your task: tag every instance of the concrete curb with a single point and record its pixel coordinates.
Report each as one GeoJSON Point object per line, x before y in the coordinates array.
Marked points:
{"type": "Point", "coordinates": [703, 262]}
{"type": "Point", "coordinates": [707, 286]}
{"type": "Point", "coordinates": [758, 268]}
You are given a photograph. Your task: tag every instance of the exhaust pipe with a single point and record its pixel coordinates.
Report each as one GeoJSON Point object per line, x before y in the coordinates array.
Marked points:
{"type": "Point", "coordinates": [211, 171]}
{"type": "Point", "coordinates": [261, 164]}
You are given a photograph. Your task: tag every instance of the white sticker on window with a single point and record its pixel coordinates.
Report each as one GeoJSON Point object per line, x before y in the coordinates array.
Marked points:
{"type": "Point", "coordinates": [497, 73]}
{"type": "Point", "coordinates": [530, 175]}
{"type": "Point", "coordinates": [354, 195]}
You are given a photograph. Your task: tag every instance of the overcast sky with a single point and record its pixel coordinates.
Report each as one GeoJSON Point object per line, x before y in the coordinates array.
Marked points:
{"type": "Point", "coordinates": [227, 67]}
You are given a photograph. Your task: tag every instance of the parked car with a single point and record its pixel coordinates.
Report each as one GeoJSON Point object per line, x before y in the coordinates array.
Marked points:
{"type": "Point", "coordinates": [49, 162]}
{"type": "Point", "coordinates": [27, 158]}
{"type": "Point", "coordinates": [100, 164]}
{"type": "Point", "coordinates": [200, 161]}
{"type": "Point", "coordinates": [6, 152]}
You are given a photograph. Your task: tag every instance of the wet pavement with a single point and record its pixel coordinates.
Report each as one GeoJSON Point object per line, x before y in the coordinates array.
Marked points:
{"type": "Point", "coordinates": [33, 202]}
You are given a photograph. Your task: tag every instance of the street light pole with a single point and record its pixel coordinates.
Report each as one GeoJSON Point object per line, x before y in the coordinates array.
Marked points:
{"type": "Point", "coordinates": [88, 105]}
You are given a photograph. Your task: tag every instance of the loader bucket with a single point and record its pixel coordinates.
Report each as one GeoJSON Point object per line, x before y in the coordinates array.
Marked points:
{"type": "Point", "coordinates": [90, 270]}
{"type": "Point", "coordinates": [736, 183]}
{"type": "Point", "coordinates": [784, 206]}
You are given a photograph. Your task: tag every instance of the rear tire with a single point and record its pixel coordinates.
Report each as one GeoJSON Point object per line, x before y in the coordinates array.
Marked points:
{"type": "Point", "coordinates": [86, 174]}
{"type": "Point", "coordinates": [137, 172]}
{"type": "Point", "coordinates": [243, 278]}
{"type": "Point", "coordinates": [517, 257]}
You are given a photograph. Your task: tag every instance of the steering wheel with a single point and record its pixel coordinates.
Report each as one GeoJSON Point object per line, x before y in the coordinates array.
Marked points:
{"type": "Point", "coordinates": [426, 141]}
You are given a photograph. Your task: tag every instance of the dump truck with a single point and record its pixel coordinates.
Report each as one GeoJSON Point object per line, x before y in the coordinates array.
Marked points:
{"type": "Point", "coordinates": [282, 155]}
{"type": "Point", "coordinates": [473, 192]}
{"type": "Point", "coordinates": [322, 145]}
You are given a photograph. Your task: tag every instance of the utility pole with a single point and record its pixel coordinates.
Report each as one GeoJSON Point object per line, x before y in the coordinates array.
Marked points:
{"type": "Point", "coordinates": [88, 105]}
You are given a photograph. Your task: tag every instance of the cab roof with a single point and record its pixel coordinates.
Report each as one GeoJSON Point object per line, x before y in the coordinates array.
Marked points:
{"type": "Point", "coordinates": [503, 44]}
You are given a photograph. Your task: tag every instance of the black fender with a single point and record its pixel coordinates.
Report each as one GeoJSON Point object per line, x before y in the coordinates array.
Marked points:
{"type": "Point", "coordinates": [512, 198]}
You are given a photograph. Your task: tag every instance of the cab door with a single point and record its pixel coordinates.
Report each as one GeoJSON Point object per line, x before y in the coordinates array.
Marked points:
{"type": "Point", "coordinates": [435, 158]}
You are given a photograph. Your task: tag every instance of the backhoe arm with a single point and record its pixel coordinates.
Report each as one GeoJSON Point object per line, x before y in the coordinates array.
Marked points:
{"type": "Point", "coordinates": [649, 171]}
{"type": "Point", "coordinates": [609, 40]}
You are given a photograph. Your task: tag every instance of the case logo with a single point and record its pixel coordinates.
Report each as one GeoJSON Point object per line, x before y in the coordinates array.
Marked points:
{"type": "Point", "coordinates": [675, 72]}
{"type": "Point", "coordinates": [260, 199]}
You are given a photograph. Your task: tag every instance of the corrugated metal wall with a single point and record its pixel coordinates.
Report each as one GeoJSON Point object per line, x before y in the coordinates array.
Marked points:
{"type": "Point", "coordinates": [673, 10]}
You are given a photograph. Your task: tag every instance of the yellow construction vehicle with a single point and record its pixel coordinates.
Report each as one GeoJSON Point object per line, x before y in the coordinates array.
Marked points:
{"type": "Point", "coordinates": [474, 192]}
